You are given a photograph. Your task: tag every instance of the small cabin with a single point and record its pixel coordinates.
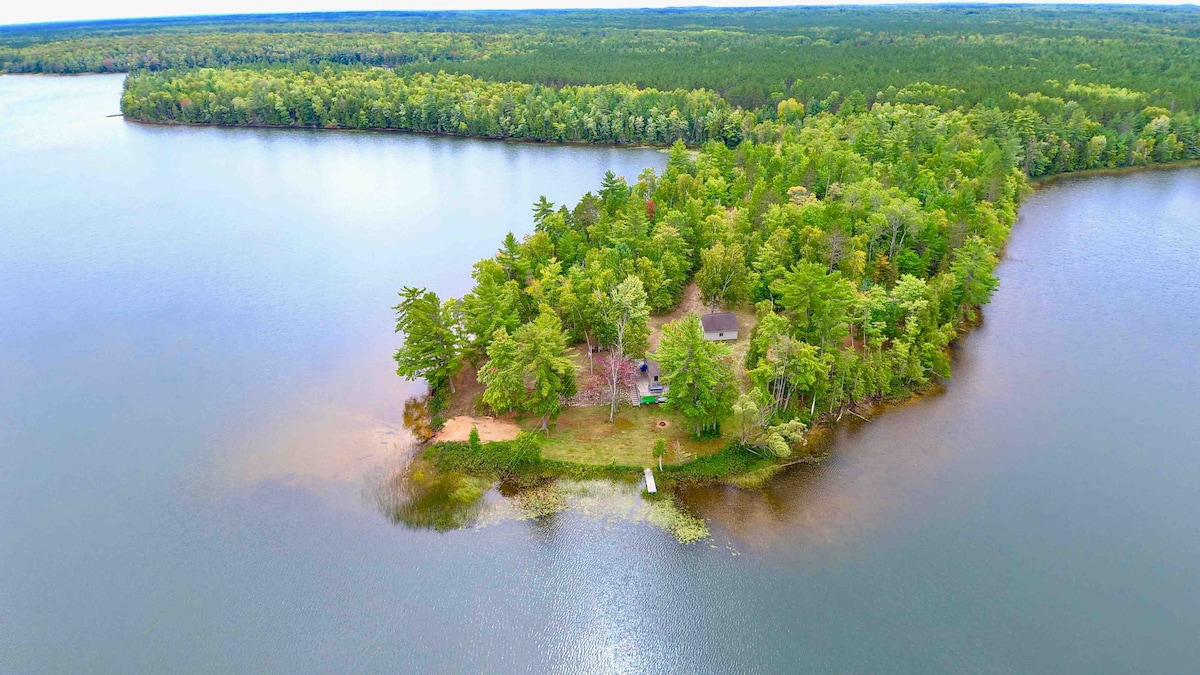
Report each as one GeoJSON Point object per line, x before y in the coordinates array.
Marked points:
{"type": "Point", "coordinates": [650, 387]}
{"type": "Point", "coordinates": [720, 326]}
{"type": "Point", "coordinates": [654, 376]}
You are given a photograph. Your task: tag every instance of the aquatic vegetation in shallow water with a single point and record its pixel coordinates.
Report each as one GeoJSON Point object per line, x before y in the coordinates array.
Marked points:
{"type": "Point", "coordinates": [684, 526]}
{"type": "Point", "coordinates": [422, 498]}
{"type": "Point", "coordinates": [752, 480]}
{"type": "Point", "coordinates": [541, 501]}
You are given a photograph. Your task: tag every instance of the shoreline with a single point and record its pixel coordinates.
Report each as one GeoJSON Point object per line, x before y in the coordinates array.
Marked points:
{"type": "Point", "coordinates": [729, 465]}
{"type": "Point", "coordinates": [760, 469]}
{"type": "Point", "coordinates": [1052, 179]}
{"type": "Point", "coordinates": [432, 134]}
{"type": "Point", "coordinates": [1034, 183]}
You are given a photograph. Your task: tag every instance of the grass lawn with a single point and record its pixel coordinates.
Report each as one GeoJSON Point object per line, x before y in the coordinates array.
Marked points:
{"type": "Point", "coordinates": [583, 435]}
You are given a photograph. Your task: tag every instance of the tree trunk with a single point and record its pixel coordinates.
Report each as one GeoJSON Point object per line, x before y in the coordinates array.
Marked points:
{"type": "Point", "coordinates": [615, 354]}
{"type": "Point", "coordinates": [612, 383]}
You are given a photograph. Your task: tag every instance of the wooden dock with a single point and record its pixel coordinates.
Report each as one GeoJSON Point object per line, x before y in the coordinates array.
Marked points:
{"type": "Point", "coordinates": [650, 487]}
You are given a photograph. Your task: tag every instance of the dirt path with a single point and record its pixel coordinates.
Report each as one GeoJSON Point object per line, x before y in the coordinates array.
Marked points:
{"type": "Point", "coordinates": [467, 389]}
{"type": "Point", "coordinates": [490, 429]}
{"type": "Point", "coordinates": [690, 303]}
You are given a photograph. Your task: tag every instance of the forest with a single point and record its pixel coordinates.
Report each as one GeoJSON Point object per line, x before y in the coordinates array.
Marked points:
{"type": "Point", "coordinates": [1084, 89]}
{"type": "Point", "coordinates": [864, 242]}
{"type": "Point", "coordinates": [752, 58]}
{"type": "Point", "coordinates": [435, 103]}
{"type": "Point", "coordinates": [850, 174]}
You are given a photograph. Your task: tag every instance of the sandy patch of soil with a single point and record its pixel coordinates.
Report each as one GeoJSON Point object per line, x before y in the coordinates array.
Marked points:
{"type": "Point", "coordinates": [490, 429]}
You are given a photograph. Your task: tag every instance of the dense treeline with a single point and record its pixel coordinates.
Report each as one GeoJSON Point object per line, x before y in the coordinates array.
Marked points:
{"type": "Point", "coordinates": [1083, 89]}
{"type": "Point", "coordinates": [864, 240]}
{"type": "Point", "coordinates": [753, 70]}
{"type": "Point", "coordinates": [829, 23]}
{"type": "Point", "coordinates": [1085, 126]}
{"type": "Point", "coordinates": [441, 103]}
{"type": "Point", "coordinates": [753, 58]}
{"type": "Point", "coordinates": [1080, 126]}
{"type": "Point", "coordinates": [118, 54]}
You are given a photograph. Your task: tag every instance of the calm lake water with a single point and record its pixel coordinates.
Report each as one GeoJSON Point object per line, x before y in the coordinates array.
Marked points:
{"type": "Point", "coordinates": [196, 390]}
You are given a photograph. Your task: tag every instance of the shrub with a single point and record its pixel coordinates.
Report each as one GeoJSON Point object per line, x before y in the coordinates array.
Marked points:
{"type": "Point", "coordinates": [731, 460]}
{"type": "Point", "coordinates": [496, 457]}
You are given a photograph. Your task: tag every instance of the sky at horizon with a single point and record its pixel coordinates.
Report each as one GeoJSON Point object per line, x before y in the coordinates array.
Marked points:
{"type": "Point", "coordinates": [77, 10]}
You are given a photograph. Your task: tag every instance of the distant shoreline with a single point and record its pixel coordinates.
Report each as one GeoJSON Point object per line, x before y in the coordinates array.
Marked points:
{"type": "Point", "coordinates": [384, 130]}
{"type": "Point", "coordinates": [1046, 181]}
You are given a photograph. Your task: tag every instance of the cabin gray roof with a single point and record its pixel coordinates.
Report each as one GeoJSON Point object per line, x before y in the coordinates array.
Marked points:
{"type": "Point", "coordinates": [652, 369]}
{"type": "Point", "coordinates": [721, 321]}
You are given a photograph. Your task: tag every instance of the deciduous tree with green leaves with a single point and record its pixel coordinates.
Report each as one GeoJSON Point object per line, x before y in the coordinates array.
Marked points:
{"type": "Point", "coordinates": [972, 267]}
{"type": "Point", "coordinates": [723, 277]}
{"type": "Point", "coordinates": [626, 317]}
{"type": "Point", "coordinates": [783, 367]}
{"type": "Point", "coordinates": [660, 450]}
{"type": "Point", "coordinates": [754, 413]}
